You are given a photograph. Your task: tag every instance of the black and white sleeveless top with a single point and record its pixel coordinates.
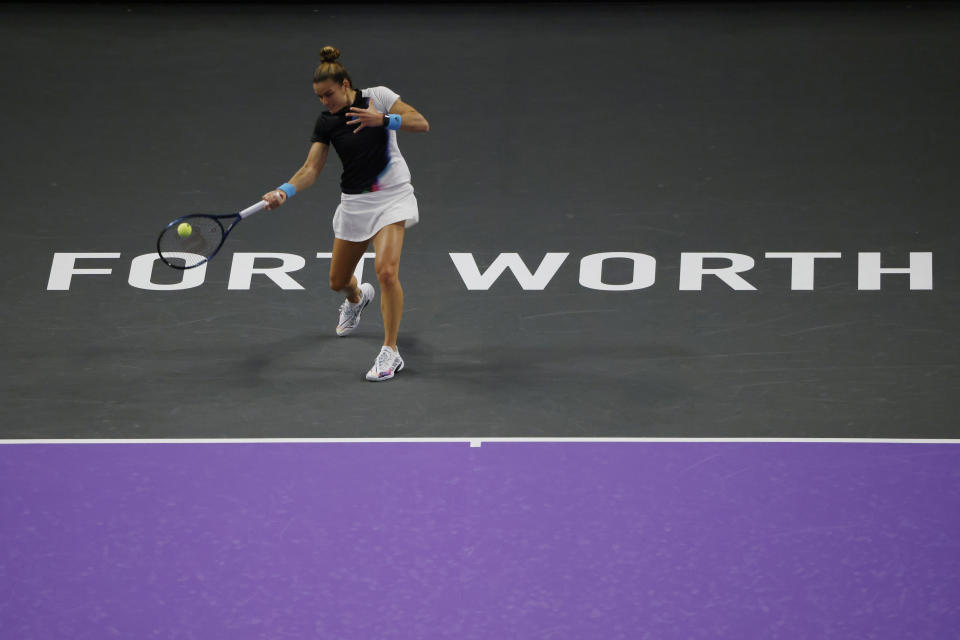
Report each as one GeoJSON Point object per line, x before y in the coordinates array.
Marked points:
{"type": "Point", "coordinates": [371, 158]}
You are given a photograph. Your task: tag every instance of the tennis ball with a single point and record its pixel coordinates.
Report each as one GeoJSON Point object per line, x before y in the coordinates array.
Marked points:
{"type": "Point", "coordinates": [184, 230]}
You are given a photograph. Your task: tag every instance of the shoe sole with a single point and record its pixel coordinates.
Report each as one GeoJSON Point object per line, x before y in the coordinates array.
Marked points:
{"type": "Point", "coordinates": [349, 331]}
{"type": "Point", "coordinates": [398, 369]}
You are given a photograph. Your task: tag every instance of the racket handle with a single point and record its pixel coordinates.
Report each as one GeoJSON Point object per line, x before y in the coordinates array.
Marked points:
{"type": "Point", "coordinates": [260, 206]}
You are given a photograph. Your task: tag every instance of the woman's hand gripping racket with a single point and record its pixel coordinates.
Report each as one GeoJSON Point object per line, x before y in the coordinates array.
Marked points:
{"type": "Point", "coordinates": [189, 241]}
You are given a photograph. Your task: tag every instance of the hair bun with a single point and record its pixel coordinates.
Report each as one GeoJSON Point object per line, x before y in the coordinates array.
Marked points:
{"type": "Point", "coordinates": [329, 54]}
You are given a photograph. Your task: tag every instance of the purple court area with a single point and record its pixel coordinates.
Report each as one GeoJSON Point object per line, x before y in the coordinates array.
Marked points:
{"type": "Point", "coordinates": [509, 540]}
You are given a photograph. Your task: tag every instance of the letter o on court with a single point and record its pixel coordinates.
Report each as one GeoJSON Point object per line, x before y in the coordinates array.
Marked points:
{"type": "Point", "coordinates": [141, 270]}
{"type": "Point", "coordinates": [644, 271]}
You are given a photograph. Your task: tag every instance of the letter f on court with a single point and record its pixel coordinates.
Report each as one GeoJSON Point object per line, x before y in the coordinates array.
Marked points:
{"type": "Point", "coordinates": [64, 267]}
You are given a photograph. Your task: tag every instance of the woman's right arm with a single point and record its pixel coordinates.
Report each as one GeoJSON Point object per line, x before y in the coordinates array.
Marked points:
{"type": "Point", "coordinates": [304, 177]}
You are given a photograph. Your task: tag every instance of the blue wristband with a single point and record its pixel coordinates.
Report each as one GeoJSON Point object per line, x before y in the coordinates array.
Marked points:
{"type": "Point", "coordinates": [394, 121]}
{"type": "Point", "coordinates": [288, 189]}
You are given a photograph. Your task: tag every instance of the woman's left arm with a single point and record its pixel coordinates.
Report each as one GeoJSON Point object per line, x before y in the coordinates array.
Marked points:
{"type": "Point", "coordinates": [411, 119]}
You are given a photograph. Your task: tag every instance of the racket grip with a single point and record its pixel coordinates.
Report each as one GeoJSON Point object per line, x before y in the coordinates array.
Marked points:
{"type": "Point", "coordinates": [260, 206]}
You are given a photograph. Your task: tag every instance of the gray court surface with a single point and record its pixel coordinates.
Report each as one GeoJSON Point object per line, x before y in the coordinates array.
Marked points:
{"type": "Point", "coordinates": [663, 133]}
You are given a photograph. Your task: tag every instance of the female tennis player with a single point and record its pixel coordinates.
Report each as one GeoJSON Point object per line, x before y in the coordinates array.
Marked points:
{"type": "Point", "coordinates": [376, 200]}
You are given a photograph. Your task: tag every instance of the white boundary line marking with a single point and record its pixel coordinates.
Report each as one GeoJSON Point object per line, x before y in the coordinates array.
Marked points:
{"type": "Point", "coordinates": [472, 441]}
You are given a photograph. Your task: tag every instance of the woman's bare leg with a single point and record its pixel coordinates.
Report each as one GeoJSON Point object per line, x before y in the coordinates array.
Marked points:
{"type": "Point", "coordinates": [346, 256]}
{"type": "Point", "coordinates": [388, 243]}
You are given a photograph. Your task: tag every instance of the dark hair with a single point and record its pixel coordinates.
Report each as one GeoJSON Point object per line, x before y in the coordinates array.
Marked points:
{"type": "Point", "coordinates": [330, 68]}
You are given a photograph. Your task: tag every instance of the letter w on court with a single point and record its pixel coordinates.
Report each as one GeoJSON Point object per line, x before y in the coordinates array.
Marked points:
{"type": "Point", "coordinates": [474, 280]}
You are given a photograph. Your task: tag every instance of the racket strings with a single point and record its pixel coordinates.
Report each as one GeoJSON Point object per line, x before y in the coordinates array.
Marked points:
{"type": "Point", "coordinates": [188, 247]}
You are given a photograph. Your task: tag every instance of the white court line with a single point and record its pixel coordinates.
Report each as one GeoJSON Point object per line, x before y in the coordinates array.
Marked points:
{"type": "Point", "coordinates": [472, 441]}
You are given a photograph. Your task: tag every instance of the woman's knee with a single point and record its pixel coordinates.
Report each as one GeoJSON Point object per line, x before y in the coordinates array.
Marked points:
{"type": "Point", "coordinates": [338, 282]}
{"type": "Point", "coordinates": [388, 275]}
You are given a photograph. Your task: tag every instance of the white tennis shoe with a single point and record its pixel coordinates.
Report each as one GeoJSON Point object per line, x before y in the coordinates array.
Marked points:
{"type": "Point", "coordinates": [387, 364]}
{"type": "Point", "coordinates": [350, 313]}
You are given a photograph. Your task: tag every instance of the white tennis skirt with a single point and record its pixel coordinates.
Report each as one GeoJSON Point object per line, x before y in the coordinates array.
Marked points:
{"type": "Point", "coordinates": [360, 215]}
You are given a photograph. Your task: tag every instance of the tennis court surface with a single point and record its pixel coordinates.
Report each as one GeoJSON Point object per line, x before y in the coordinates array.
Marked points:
{"type": "Point", "coordinates": [679, 326]}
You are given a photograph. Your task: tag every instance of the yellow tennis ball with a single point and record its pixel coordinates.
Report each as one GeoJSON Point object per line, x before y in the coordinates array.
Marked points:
{"type": "Point", "coordinates": [184, 230]}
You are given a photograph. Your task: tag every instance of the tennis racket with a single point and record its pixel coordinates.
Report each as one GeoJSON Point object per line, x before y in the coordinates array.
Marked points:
{"type": "Point", "coordinates": [189, 241]}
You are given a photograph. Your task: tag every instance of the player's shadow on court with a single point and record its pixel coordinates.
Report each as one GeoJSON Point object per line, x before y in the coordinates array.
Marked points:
{"type": "Point", "coordinates": [311, 357]}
